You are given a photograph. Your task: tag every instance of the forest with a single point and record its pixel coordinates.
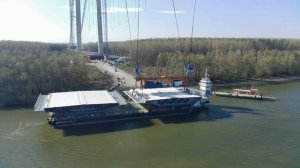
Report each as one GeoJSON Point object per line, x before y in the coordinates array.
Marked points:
{"type": "Point", "coordinates": [226, 59]}
{"type": "Point", "coordinates": [28, 69]}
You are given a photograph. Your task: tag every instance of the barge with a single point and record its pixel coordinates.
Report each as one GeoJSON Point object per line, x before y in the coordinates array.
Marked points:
{"type": "Point", "coordinates": [246, 94]}
{"type": "Point", "coordinates": [90, 107]}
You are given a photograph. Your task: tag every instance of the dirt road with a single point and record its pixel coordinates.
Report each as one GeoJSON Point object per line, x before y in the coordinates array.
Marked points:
{"type": "Point", "coordinates": [127, 79]}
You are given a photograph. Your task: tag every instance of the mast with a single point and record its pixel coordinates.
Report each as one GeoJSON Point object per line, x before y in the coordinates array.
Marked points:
{"type": "Point", "coordinates": [206, 74]}
{"type": "Point", "coordinates": [100, 31]}
{"type": "Point", "coordinates": [78, 26]}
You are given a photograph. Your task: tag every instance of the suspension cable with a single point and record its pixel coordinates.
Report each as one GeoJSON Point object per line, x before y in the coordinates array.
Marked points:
{"type": "Point", "coordinates": [179, 40]}
{"type": "Point", "coordinates": [177, 26]}
{"type": "Point", "coordinates": [129, 28]}
{"type": "Point", "coordinates": [192, 34]}
{"type": "Point", "coordinates": [138, 34]}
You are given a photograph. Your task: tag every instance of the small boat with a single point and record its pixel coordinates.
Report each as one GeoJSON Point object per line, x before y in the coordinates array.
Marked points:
{"type": "Point", "coordinates": [244, 93]}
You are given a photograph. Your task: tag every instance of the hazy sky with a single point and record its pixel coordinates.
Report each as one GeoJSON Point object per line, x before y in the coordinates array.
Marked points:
{"type": "Point", "coordinates": [48, 20]}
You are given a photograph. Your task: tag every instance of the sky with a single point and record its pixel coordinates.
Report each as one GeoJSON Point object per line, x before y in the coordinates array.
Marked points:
{"type": "Point", "coordinates": [48, 20]}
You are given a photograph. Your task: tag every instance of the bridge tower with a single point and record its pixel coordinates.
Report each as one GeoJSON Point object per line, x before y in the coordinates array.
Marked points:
{"type": "Point", "coordinates": [100, 28]}
{"type": "Point", "coordinates": [75, 17]}
{"type": "Point", "coordinates": [78, 26]}
{"type": "Point", "coordinates": [71, 45]}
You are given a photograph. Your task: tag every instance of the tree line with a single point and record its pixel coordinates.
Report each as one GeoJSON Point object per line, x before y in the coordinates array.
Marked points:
{"type": "Point", "coordinates": [226, 59]}
{"type": "Point", "coordinates": [28, 69]}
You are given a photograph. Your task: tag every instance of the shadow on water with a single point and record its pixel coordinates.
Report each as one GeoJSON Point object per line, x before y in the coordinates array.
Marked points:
{"type": "Point", "coordinates": [211, 113]}
{"type": "Point", "coordinates": [106, 127]}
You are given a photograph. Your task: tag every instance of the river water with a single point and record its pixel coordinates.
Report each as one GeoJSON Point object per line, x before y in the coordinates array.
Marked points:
{"type": "Point", "coordinates": [228, 133]}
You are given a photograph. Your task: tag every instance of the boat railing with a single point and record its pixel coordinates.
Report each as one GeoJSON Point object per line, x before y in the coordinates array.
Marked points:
{"type": "Point", "coordinates": [248, 92]}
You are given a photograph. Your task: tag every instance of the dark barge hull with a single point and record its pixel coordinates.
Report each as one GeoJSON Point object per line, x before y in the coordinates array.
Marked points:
{"type": "Point", "coordinates": [98, 120]}
{"type": "Point", "coordinates": [117, 118]}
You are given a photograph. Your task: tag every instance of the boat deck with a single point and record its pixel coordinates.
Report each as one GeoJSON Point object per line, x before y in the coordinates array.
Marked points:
{"type": "Point", "coordinates": [245, 96]}
{"type": "Point", "coordinates": [156, 94]}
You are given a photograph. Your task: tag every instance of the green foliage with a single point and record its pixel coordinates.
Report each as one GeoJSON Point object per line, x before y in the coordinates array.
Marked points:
{"type": "Point", "coordinates": [226, 59]}
{"type": "Point", "coordinates": [28, 69]}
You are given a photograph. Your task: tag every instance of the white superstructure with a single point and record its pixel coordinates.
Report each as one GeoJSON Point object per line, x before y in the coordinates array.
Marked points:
{"type": "Point", "coordinates": [64, 99]}
{"type": "Point", "coordinates": [161, 94]}
{"type": "Point", "coordinates": [78, 99]}
{"type": "Point", "coordinates": [167, 99]}
{"type": "Point", "coordinates": [205, 85]}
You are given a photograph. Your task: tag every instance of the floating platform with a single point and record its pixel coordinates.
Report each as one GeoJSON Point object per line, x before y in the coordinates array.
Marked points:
{"type": "Point", "coordinates": [244, 96]}
{"type": "Point", "coordinates": [88, 107]}
{"type": "Point", "coordinates": [91, 107]}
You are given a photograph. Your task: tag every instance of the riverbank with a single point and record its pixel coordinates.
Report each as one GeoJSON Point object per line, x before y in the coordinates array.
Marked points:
{"type": "Point", "coordinates": [253, 81]}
